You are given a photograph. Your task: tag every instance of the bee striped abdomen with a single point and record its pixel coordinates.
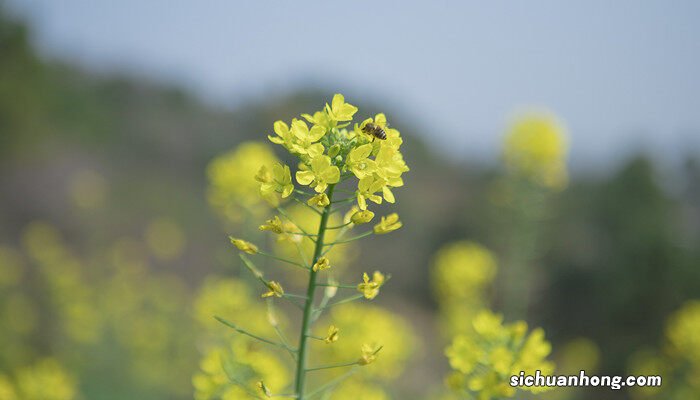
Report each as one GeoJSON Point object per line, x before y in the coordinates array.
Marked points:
{"type": "Point", "coordinates": [374, 130]}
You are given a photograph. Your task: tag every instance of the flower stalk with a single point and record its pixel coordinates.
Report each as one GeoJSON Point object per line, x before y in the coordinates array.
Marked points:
{"type": "Point", "coordinates": [300, 378]}
{"type": "Point", "coordinates": [330, 152]}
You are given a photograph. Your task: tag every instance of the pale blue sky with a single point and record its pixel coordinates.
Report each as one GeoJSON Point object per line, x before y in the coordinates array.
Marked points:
{"type": "Point", "coordinates": [622, 74]}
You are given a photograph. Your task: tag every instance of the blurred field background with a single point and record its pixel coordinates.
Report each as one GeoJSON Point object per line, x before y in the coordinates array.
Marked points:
{"type": "Point", "coordinates": [110, 249]}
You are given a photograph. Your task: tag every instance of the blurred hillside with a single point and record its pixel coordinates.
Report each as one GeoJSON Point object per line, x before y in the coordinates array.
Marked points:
{"type": "Point", "coordinates": [620, 251]}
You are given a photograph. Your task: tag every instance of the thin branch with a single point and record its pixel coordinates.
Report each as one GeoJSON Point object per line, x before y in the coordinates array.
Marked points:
{"type": "Point", "coordinates": [304, 193]}
{"type": "Point", "coordinates": [302, 266]}
{"type": "Point", "coordinates": [339, 302]}
{"type": "Point", "coordinates": [284, 214]}
{"type": "Point", "coordinates": [352, 239]}
{"type": "Point", "coordinates": [297, 296]}
{"type": "Point", "coordinates": [332, 383]}
{"type": "Point", "coordinates": [340, 235]}
{"type": "Point", "coordinates": [273, 321]}
{"type": "Point", "coordinates": [340, 226]}
{"type": "Point", "coordinates": [331, 366]}
{"type": "Point", "coordinates": [244, 332]}
{"type": "Point", "coordinates": [345, 200]}
{"type": "Point", "coordinates": [337, 285]}
{"type": "Point", "coordinates": [310, 207]}
{"type": "Point", "coordinates": [260, 277]}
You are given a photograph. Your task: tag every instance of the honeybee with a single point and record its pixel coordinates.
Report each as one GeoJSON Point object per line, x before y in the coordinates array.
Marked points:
{"type": "Point", "coordinates": [374, 130]}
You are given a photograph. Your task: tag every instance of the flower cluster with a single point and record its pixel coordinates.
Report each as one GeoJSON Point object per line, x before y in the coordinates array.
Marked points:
{"type": "Point", "coordinates": [328, 151]}
{"type": "Point", "coordinates": [312, 226]}
{"type": "Point", "coordinates": [45, 380]}
{"type": "Point", "coordinates": [484, 359]}
{"type": "Point", "coordinates": [678, 360]}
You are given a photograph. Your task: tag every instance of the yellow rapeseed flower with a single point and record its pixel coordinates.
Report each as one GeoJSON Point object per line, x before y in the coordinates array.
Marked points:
{"type": "Point", "coordinates": [366, 189]}
{"type": "Point", "coordinates": [273, 225]}
{"type": "Point", "coordinates": [284, 135]}
{"type": "Point", "coordinates": [306, 139]}
{"type": "Point", "coordinates": [461, 270]}
{"type": "Point", "coordinates": [244, 246]}
{"type": "Point", "coordinates": [364, 322]}
{"type": "Point", "coordinates": [278, 181]}
{"type": "Point", "coordinates": [322, 174]}
{"type": "Point", "coordinates": [275, 290]}
{"type": "Point", "coordinates": [370, 288]}
{"type": "Point", "coordinates": [321, 264]}
{"type": "Point", "coordinates": [45, 380]}
{"type": "Point", "coordinates": [486, 357]}
{"type": "Point", "coordinates": [682, 332]}
{"type": "Point", "coordinates": [362, 217]}
{"type": "Point", "coordinates": [319, 200]}
{"type": "Point", "coordinates": [339, 110]}
{"type": "Point", "coordinates": [233, 190]}
{"type": "Point", "coordinates": [369, 354]}
{"type": "Point", "coordinates": [358, 161]}
{"type": "Point", "coordinates": [332, 335]}
{"type": "Point", "coordinates": [388, 224]}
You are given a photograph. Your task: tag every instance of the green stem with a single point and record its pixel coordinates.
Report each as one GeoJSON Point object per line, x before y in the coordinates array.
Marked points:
{"type": "Point", "coordinates": [309, 304]}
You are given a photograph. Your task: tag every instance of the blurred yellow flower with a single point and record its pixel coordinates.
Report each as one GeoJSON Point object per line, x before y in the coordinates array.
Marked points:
{"type": "Point", "coordinates": [363, 323]}
{"type": "Point", "coordinates": [682, 332]}
{"type": "Point", "coordinates": [10, 267]}
{"type": "Point", "coordinates": [279, 181]}
{"type": "Point", "coordinates": [229, 297]}
{"type": "Point", "coordinates": [7, 389]}
{"type": "Point", "coordinates": [165, 238]}
{"type": "Point", "coordinates": [275, 289]}
{"type": "Point", "coordinates": [233, 190]}
{"type": "Point", "coordinates": [461, 270]}
{"type": "Point", "coordinates": [234, 371]}
{"type": "Point", "coordinates": [578, 354]}
{"type": "Point", "coordinates": [244, 246]}
{"type": "Point", "coordinates": [535, 147]}
{"type": "Point", "coordinates": [45, 380]}
{"type": "Point", "coordinates": [369, 354]}
{"type": "Point", "coordinates": [492, 352]}
{"type": "Point", "coordinates": [357, 388]}
{"type": "Point", "coordinates": [265, 391]}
